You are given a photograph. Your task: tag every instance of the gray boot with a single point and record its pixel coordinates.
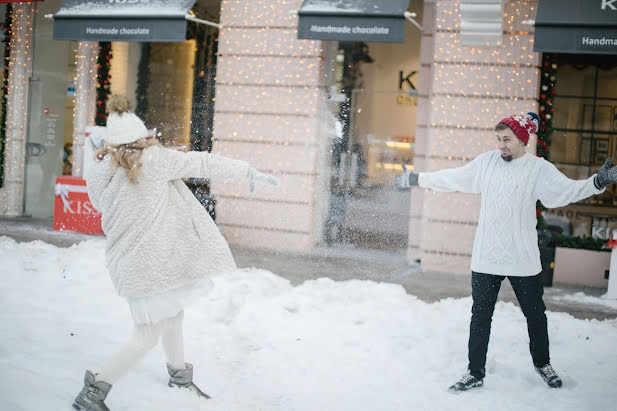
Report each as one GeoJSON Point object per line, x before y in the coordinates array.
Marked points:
{"type": "Point", "coordinates": [184, 379]}
{"type": "Point", "coordinates": [92, 395]}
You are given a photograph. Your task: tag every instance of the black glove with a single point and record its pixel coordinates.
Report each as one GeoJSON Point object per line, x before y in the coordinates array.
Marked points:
{"type": "Point", "coordinates": [606, 175]}
{"type": "Point", "coordinates": [406, 179]}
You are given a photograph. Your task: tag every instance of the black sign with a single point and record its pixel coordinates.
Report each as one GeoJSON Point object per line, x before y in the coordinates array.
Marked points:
{"type": "Point", "coordinates": [576, 26]}
{"type": "Point", "coordinates": [120, 30]}
{"type": "Point", "coordinates": [351, 29]}
{"type": "Point", "coordinates": [121, 20]}
{"type": "Point", "coordinates": [356, 20]}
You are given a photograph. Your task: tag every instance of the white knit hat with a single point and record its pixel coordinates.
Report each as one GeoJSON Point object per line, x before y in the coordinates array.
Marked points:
{"type": "Point", "coordinates": [123, 127]}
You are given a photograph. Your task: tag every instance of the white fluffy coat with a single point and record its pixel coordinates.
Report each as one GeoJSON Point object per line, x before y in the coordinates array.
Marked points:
{"type": "Point", "coordinates": [159, 237]}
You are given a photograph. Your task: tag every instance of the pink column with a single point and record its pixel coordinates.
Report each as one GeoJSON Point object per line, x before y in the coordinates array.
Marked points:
{"type": "Point", "coordinates": [266, 112]}
{"type": "Point", "coordinates": [465, 92]}
{"type": "Point", "coordinates": [20, 71]}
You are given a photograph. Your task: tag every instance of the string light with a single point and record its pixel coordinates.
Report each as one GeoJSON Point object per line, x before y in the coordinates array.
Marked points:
{"type": "Point", "coordinates": [269, 96]}
{"type": "Point", "coordinates": [20, 71]}
{"type": "Point", "coordinates": [84, 103]}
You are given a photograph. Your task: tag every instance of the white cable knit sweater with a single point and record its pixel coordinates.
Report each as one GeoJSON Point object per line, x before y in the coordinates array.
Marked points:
{"type": "Point", "coordinates": [506, 241]}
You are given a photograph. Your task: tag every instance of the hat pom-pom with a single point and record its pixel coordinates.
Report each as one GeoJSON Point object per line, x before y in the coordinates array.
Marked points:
{"type": "Point", "coordinates": [118, 104]}
{"type": "Point", "coordinates": [535, 121]}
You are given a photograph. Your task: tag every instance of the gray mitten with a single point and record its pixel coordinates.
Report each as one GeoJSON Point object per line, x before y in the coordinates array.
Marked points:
{"type": "Point", "coordinates": [606, 175]}
{"type": "Point", "coordinates": [255, 176]}
{"type": "Point", "coordinates": [406, 179]}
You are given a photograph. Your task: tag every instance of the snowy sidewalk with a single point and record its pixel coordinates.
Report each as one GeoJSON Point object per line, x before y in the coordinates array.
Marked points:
{"type": "Point", "coordinates": [346, 264]}
{"type": "Point", "coordinates": [259, 342]}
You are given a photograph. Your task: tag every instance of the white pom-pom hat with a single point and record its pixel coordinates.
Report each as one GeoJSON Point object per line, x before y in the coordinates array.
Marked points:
{"type": "Point", "coordinates": [125, 128]}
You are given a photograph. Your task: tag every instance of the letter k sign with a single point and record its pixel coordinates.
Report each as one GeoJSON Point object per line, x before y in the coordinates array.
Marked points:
{"type": "Point", "coordinates": [608, 3]}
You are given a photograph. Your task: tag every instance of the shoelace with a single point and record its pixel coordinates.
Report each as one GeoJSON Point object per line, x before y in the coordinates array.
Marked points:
{"type": "Point", "coordinates": [466, 378]}
{"type": "Point", "coordinates": [548, 371]}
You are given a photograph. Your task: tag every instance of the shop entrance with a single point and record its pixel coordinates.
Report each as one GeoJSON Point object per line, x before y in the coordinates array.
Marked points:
{"type": "Point", "coordinates": [50, 118]}
{"type": "Point", "coordinates": [366, 211]}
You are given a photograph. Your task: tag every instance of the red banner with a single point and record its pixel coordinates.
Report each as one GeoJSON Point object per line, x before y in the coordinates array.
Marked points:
{"type": "Point", "coordinates": [73, 210]}
{"type": "Point", "coordinates": [20, 1]}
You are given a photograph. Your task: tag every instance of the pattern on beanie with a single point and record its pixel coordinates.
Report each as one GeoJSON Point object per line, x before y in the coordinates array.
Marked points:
{"type": "Point", "coordinates": [523, 125]}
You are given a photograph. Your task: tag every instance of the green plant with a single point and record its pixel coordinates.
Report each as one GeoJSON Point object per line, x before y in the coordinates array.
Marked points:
{"type": "Point", "coordinates": [548, 78]}
{"type": "Point", "coordinates": [586, 243]}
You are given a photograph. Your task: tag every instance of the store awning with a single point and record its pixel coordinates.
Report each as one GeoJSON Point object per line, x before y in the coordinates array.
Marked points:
{"type": "Point", "coordinates": [353, 20]}
{"type": "Point", "coordinates": [576, 26]}
{"type": "Point", "coordinates": [117, 20]}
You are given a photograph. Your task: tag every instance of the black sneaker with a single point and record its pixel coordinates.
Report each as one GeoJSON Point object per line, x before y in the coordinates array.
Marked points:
{"type": "Point", "coordinates": [466, 383]}
{"type": "Point", "coordinates": [549, 375]}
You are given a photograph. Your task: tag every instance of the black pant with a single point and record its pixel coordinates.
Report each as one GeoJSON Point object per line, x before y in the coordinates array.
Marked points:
{"type": "Point", "coordinates": [484, 290]}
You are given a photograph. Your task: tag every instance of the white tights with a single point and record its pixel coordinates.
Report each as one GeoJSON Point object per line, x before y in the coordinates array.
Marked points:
{"type": "Point", "coordinates": [145, 337]}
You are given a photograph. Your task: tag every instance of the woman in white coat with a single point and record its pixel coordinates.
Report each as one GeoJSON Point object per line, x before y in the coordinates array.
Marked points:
{"type": "Point", "coordinates": [161, 246]}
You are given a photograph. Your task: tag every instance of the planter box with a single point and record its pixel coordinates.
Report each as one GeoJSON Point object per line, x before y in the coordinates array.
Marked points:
{"type": "Point", "coordinates": [581, 267]}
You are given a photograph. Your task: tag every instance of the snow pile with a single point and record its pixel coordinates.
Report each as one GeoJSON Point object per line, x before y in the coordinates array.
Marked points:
{"type": "Point", "coordinates": [258, 343]}
{"type": "Point", "coordinates": [582, 298]}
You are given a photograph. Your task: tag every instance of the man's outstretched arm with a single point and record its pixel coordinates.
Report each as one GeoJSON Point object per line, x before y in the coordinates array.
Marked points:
{"type": "Point", "coordinates": [554, 189]}
{"type": "Point", "coordinates": [465, 179]}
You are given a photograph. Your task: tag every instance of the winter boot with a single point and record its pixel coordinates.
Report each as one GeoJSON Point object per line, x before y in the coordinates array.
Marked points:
{"type": "Point", "coordinates": [466, 383]}
{"type": "Point", "coordinates": [184, 379]}
{"type": "Point", "coordinates": [92, 395]}
{"type": "Point", "coordinates": [549, 375]}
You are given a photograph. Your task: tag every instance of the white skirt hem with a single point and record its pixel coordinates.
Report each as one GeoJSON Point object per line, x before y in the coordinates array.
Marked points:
{"type": "Point", "coordinates": [167, 304]}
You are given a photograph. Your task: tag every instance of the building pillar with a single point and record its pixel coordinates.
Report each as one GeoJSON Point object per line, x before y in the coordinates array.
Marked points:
{"type": "Point", "coordinates": [85, 99]}
{"type": "Point", "coordinates": [268, 103]}
{"type": "Point", "coordinates": [20, 71]}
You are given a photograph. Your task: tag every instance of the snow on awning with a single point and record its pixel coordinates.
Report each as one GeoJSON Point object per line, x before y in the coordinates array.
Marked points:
{"type": "Point", "coordinates": [353, 20]}
{"type": "Point", "coordinates": [576, 27]}
{"type": "Point", "coordinates": [121, 20]}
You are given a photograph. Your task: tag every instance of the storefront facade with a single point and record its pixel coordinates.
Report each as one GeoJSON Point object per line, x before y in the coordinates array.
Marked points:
{"type": "Point", "coordinates": [468, 73]}
{"type": "Point", "coordinates": [580, 40]}
{"type": "Point", "coordinates": [336, 119]}
{"type": "Point", "coordinates": [168, 76]}
{"type": "Point", "coordinates": [429, 104]}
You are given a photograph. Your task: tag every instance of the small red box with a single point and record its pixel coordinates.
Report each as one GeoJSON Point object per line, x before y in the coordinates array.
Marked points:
{"type": "Point", "coordinates": [73, 210]}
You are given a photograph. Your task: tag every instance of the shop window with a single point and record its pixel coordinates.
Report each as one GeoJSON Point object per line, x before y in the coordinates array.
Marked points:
{"type": "Point", "coordinates": [585, 118]}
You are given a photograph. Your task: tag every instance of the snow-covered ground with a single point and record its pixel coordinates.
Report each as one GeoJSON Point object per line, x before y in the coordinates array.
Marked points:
{"type": "Point", "coordinates": [582, 298]}
{"type": "Point", "coordinates": [257, 343]}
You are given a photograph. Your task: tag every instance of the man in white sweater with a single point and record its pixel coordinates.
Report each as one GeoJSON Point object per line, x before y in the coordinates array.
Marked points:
{"type": "Point", "coordinates": [510, 182]}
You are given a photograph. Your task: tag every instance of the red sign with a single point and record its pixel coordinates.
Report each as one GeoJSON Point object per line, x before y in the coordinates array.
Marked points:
{"type": "Point", "coordinates": [73, 210]}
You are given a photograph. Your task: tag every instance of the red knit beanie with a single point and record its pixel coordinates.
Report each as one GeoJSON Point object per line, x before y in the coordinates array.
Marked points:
{"type": "Point", "coordinates": [523, 125]}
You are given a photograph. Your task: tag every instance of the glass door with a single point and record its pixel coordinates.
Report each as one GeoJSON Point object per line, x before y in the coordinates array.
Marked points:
{"type": "Point", "coordinates": [366, 210]}
{"type": "Point", "coordinates": [49, 115]}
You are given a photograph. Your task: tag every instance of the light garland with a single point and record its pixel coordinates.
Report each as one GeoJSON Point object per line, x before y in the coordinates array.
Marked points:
{"type": "Point", "coordinates": [143, 82]}
{"type": "Point", "coordinates": [269, 96]}
{"type": "Point", "coordinates": [547, 91]}
{"type": "Point", "coordinates": [20, 71]}
{"type": "Point", "coordinates": [5, 85]}
{"type": "Point", "coordinates": [85, 98]}
{"type": "Point", "coordinates": [103, 83]}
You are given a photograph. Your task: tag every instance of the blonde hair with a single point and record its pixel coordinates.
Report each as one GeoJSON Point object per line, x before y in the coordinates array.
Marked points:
{"type": "Point", "coordinates": [127, 156]}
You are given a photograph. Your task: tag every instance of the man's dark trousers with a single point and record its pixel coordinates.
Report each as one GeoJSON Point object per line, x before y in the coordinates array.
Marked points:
{"type": "Point", "coordinates": [484, 290]}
